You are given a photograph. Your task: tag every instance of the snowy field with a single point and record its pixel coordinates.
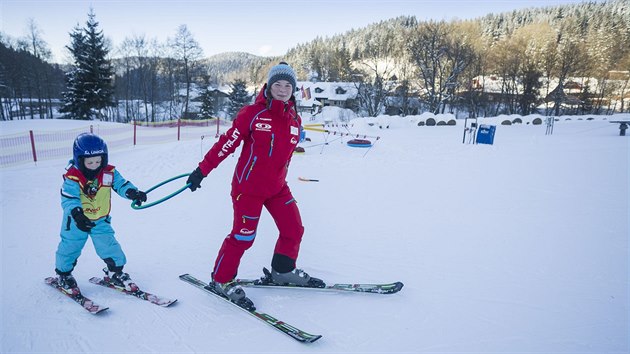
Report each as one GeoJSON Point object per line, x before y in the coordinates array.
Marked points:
{"type": "Point", "coordinates": [520, 246]}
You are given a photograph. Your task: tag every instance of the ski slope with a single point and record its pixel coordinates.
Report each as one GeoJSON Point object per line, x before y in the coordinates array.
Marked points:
{"type": "Point", "coordinates": [520, 246]}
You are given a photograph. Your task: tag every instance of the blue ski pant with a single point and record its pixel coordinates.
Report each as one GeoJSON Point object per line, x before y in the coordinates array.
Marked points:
{"type": "Point", "coordinates": [73, 240]}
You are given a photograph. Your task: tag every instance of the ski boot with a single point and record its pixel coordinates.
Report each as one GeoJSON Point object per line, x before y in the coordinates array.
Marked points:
{"type": "Point", "coordinates": [120, 280]}
{"type": "Point", "coordinates": [296, 277]}
{"type": "Point", "coordinates": [67, 283]}
{"type": "Point", "coordinates": [233, 292]}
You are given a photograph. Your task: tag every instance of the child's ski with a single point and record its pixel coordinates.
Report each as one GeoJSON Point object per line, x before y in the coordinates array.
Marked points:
{"type": "Point", "coordinates": [143, 295]}
{"type": "Point", "coordinates": [86, 303]}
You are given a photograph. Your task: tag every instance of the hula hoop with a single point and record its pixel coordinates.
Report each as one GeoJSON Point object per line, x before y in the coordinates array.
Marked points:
{"type": "Point", "coordinates": [148, 205]}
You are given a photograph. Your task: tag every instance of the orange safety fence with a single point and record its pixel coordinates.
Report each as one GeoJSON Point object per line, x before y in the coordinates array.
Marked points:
{"type": "Point", "coordinates": [33, 145]}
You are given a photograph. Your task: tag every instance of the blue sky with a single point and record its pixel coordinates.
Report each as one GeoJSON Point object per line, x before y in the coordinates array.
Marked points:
{"type": "Point", "coordinates": [256, 26]}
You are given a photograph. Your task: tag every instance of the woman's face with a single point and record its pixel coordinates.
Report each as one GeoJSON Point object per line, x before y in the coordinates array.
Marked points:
{"type": "Point", "coordinates": [281, 90]}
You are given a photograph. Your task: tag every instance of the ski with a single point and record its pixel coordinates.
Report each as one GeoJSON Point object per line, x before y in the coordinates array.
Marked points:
{"type": "Point", "coordinates": [281, 326]}
{"type": "Point", "coordinates": [86, 303]}
{"type": "Point", "coordinates": [143, 295]}
{"type": "Point", "coordinates": [265, 282]}
{"type": "Point", "coordinates": [307, 179]}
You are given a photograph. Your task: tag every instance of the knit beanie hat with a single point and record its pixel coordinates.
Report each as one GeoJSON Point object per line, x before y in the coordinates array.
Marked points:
{"type": "Point", "coordinates": [282, 71]}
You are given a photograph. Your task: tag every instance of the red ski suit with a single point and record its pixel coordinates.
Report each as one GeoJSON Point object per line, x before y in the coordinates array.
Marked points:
{"type": "Point", "coordinates": [269, 131]}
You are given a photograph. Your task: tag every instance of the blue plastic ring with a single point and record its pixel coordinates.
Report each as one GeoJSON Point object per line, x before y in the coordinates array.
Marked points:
{"type": "Point", "coordinates": [148, 205]}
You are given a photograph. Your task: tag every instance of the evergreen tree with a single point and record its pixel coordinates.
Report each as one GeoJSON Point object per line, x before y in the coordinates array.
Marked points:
{"type": "Point", "coordinates": [207, 108]}
{"type": "Point", "coordinates": [531, 89]}
{"type": "Point", "coordinates": [343, 61]}
{"type": "Point", "coordinates": [238, 97]}
{"type": "Point", "coordinates": [72, 104]}
{"type": "Point", "coordinates": [89, 85]}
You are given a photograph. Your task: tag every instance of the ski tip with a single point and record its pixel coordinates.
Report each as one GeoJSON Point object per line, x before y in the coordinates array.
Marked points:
{"type": "Point", "coordinates": [397, 287]}
{"type": "Point", "coordinates": [168, 304]}
{"type": "Point", "coordinates": [100, 310]}
{"type": "Point", "coordinates": [313, 338]}
{"type": "Point", "coordinates": [184, 276]}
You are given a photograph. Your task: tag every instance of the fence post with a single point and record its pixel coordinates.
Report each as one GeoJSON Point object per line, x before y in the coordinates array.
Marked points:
{"type": "Point", "coordinates": [179, 123]}
{"type": "Point", "coordinates": [134, 132]}
{"type": "Point", "coordinates": [91, 129]}
{"type": "Point", "coordinates": [33, 145]}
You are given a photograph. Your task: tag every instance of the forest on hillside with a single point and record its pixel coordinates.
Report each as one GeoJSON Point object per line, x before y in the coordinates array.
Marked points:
{"type": "Point", "coordinates": [575, 58]}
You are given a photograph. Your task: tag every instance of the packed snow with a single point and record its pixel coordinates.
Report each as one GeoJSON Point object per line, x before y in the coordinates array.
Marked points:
{"type": "Point", "coordinates": [519, 246]}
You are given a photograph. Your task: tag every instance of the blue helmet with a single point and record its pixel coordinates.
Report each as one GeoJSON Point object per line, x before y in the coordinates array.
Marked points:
{"type": "Point", "coordinates": [88, 145]}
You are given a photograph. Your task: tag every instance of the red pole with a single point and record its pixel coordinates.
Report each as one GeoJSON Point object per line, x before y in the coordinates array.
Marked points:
{"type": "Point", "coordinates": [134, 133]}
{"type": "Point", "coordinates": [33, 146]}
{"type": "Point", "coordinates": [179, 123]}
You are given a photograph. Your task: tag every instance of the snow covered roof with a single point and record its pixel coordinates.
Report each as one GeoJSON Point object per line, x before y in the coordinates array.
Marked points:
{"type": "Point", "coordinates": [309, 93]}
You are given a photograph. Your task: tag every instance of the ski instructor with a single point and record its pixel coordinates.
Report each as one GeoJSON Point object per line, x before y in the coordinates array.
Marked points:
{"type": "Point", "coordinates": [269, 130]}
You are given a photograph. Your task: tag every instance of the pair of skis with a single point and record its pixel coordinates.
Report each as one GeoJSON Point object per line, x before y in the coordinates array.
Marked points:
{"type": "Point", "coordinates": [292, 331]}
{"type": "Point", "coordinates": [264, 282]}
{"type": "Point", "coordinates": [94, 308]}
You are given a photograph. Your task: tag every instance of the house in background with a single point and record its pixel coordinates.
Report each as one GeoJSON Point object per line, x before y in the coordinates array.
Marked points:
{"type": "Point", "coordinates": [312, 96]}
{"type": "Point", "coordinates": [220, 96]}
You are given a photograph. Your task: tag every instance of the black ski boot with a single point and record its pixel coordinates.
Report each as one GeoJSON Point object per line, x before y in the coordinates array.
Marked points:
{"type": "Point", "coordinates": [233, 292]}
{"type": "Point", "coordinates": [296, 277]}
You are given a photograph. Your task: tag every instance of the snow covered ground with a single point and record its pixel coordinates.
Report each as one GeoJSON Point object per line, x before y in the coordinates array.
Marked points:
{"type": "Point", "coordinates": [520, 246]}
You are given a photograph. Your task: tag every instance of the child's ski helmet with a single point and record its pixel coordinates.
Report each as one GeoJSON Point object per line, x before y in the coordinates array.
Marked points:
{"type": "Point", "coordinates": [88, 145]}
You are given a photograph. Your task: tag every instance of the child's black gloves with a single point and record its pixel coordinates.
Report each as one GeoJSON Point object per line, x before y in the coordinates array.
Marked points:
{"type": "Point", "coordinates": [137, 196]}
{"type": "Point", "coordinates": [195, 179]}
{"type": "Point", "coordinates": [82, 221]}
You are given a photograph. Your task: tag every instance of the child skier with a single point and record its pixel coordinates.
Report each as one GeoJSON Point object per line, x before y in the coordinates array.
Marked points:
{"type": "Point", "coordinates": [86, 203]}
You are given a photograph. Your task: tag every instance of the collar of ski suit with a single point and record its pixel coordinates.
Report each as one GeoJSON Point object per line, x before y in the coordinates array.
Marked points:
{"type": "Point", "coordinates": [74, 174]}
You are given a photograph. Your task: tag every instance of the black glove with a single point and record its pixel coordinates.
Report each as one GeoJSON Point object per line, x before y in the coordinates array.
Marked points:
{"type": "Point", "coordinates": [195, 179]}
{"type": "Point", "coordinates": [82, 221]}
{"type": "Point", "coordinates": [137, 196]}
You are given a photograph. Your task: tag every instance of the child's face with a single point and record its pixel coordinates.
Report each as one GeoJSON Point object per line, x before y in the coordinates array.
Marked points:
{"type": "Point", "coordinates": [93, 162]}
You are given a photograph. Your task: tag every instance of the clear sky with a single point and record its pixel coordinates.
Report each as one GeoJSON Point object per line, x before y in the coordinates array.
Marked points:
{"type": "Point", "coordinates": [261, 27]}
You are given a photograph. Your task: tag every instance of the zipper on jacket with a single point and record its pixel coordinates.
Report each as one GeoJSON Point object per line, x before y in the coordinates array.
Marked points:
{"type": "Point", "coordinates": [251, 168]}
{"type": "Point", "coordinates": [271, 145]}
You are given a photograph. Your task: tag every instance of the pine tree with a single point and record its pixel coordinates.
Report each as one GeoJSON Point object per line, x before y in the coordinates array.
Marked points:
{"type": "Point", "coordinates": [238, 97]}
{"type": "Point", "coordinates": [207, 108]}
{"type": "Point", "coordinates": [89, 85]}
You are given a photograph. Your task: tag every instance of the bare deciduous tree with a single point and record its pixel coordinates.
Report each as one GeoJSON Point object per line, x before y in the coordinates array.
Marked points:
{"type": "Point", "coordinates": [188, 52]}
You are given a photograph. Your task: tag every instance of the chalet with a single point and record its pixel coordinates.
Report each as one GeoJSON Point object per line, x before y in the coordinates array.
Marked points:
{"type": "Point", "coordinates": [220, 96]}
{"type": "Point", "coordinates": [573, 88]}
{"type": "Point", "coordinates": [561, 94]}
{"type": "Point", "coordinates": [493, 86]}
{"type": "Point", "coordinates": [315, 95]}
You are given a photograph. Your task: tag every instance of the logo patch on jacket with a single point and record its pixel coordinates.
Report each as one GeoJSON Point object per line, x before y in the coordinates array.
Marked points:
{"type": "Point", "coordinates": [90, 189]}
{"type": "Point", "coordinates": [108, 178]}
{"type": "Point", "coordinates": [263, 127]}
{"type": "Point", "coordinates": [228, 144]}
